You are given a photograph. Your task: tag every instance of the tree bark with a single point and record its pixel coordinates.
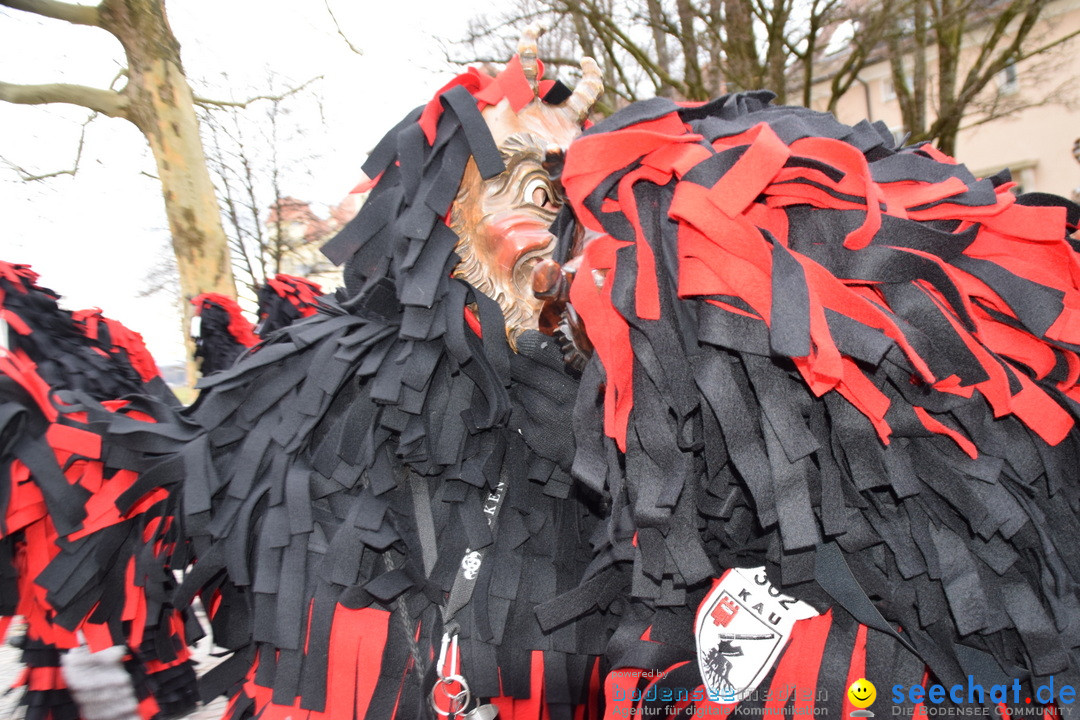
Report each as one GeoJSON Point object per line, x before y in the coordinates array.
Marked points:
{"type": "Point", "coordinates": [716, 53]}
{"type": "Point", "coordinates": [744, 68]}
{"type": "Point", "coordinates": [776, 54]}
{"type": "Point", "coordinates": [949, 25]}
{"type": "Point", "coordinates": [695, 84]}
{"type": "Point", "coordinates": [161, 106]}
{"type": "Point", "coordinates": [920, 77]}
{"type": "Point", "coordinates": [663, 58]}
{"type": "Point", "coordinates": [158, 100]}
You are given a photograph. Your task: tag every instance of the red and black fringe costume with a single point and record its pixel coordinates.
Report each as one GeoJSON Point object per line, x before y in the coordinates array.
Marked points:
{"type": "Point", "coordinates": [343, 469]}
{"type": "Point", "coordinates": [58, 486]}
{"type": "Point", "coordinates": [224, 333]}
{"type": "Point", "coordinates": [854, 365]}
{"type": "Point", "coordinates": [129, 348]}
{"type": "Point", "coordinates": [284, 299]}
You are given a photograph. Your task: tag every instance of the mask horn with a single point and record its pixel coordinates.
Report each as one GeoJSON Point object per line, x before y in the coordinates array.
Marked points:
{"type": "Point", "coordinates": [527, 52]}
{"type": "Point", "coordinates": [588, 89]}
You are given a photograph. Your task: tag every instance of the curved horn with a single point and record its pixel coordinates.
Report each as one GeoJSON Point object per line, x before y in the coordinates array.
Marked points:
{"type": "Point", "coordinates": [527, 52]}
{"type": "Point", "coordinates": [588, 89]}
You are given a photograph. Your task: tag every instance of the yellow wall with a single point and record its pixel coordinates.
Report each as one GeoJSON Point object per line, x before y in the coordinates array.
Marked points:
{"type": "Point", "coordinates": [1035, 143]}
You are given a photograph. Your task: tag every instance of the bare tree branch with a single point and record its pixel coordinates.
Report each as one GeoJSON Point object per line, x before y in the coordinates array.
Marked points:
{"type": "Point", "coordinates": [206, 102]}
{"type": "Point", "coordinates": [1024, 55]}
{"type": "Point", "coordinates": [121, 73]}
{"type": "Point", "coordinates": [106, 102]}
{"type": "Point", "coordinates": [76, 14]}
{"type": "Point", "coordinates": [341, 32]}
{"type": "Point", "coordinates": [27, 176]}
{"type": "Point", "coordinates": [640, 55]}
{"type": "Point", "coordinates": [231, 209]}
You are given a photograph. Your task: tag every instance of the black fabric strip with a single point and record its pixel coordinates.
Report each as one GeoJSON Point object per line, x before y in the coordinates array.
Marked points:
{"type": "Point", "coordinates": [483, 148]}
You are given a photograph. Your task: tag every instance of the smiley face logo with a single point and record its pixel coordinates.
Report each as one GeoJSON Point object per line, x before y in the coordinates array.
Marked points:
{"type": "Point", "coordinates": [862, 693]}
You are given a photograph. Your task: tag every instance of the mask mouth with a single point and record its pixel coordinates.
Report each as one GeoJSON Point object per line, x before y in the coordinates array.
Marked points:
{"type": "Point", "coordinates": [558, 318]}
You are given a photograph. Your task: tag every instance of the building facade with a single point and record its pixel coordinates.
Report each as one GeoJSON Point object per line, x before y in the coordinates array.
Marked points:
{"type": "Point", "coordinates": [1040, 96]}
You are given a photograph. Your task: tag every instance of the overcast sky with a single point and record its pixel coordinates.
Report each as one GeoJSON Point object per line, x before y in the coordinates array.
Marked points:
{"type": "Point", "coordinates": [94, 237]}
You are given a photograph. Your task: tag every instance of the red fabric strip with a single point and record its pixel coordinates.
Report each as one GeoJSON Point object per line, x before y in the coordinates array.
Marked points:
{"type": "Point", "coordinates": [856, 669]}
{"type": "Point", "coordinates": [936, 426]}
{"type": "Point", "coordinates": [799, 666]}
{"type": "Point", "coordinates": [608, 330]}
{"type": "Point", "coordinates": [373, 625]}
{"type": "Point", "coordinates": [752, 173]}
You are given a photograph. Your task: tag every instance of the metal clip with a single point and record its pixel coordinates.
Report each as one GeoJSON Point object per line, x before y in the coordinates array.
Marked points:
{"type": "Point", "coordinates": [449, 643]}
{"type": "Point", "coordinates": [458, 701]}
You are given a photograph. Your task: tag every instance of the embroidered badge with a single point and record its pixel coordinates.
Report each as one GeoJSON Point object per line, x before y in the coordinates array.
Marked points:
{"type": "Point", "coordinates": [742, 626]}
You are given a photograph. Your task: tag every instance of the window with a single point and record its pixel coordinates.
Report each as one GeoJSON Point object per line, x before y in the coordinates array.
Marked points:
{"type": "Point", "coordinates": [1025, 180]}
{"type": "Point", "coordinates": [888, 91]}
{"type": "Point", "coordinates": [1007, 81]}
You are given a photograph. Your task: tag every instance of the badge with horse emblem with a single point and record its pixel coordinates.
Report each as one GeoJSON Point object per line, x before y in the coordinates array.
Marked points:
{"type": "Point", "coordinates": [742, 626]}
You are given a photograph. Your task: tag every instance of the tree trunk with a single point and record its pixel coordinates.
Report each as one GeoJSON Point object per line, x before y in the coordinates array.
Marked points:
{"type": "Point", "coordinates": [949, 28]}
{"type": "Point", "coordinates": [810, 60]}
{"type": "Point", "coordinates": [162, 107]}
{"type": "Point", "coordinates": [716, 51]}
{"type": "Point", "coordinates": [948, 133]}
{"type": "Point", "coordinates": [744, 68]}
{"type": "Point", "coordinates": [663, 58]}
{"type": "Point", "coordinates": [920, 78]}
{"type": "Point", "coordinates": [776, 53]}
{"type": "Point", "coordinates": [695, 84]}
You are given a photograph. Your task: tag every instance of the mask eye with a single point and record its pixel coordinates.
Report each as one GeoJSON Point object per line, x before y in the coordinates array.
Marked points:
{"type": "Point", "coordinates": [539, 193]}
